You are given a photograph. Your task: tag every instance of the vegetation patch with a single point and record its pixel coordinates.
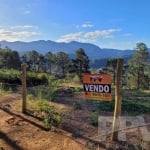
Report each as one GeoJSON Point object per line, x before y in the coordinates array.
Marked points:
{"type": "Point", "coordinates": [94, 118]}
{"type": "Point", "coordinates": [52, 116]}
{"type": "Point", "coordinates": [128, 106]}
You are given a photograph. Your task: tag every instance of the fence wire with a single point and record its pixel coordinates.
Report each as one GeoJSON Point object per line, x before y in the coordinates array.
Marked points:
{"type": "Point", "coordinates": [81, 119]}
{"type": "Point", "coordinates": [9, 88]}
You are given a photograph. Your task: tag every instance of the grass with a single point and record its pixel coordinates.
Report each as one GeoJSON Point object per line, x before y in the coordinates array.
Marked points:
{"type": "Point", "coordinates": [132, 107]}
{"type": "Point", "coordinates": [5, 89]}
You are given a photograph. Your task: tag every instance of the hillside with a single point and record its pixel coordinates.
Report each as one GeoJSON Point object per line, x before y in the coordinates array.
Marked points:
{"type": "Point", "coordinates": [93, 51]}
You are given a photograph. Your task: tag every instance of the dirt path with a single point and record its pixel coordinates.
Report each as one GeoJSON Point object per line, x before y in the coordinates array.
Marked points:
{"type": "Point", "coordinates": [22, 132]}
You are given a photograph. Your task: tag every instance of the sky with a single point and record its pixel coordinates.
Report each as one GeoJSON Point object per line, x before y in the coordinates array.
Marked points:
{"type": "Point", "coordinates": [118, 24]}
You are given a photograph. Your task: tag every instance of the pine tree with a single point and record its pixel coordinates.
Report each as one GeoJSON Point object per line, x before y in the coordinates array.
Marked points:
{"type": "Point", "coordinates": [138, 65]}
{"type": "Point", "coordinates": [80, 64]}
{"type": "Point", "coordinates": [62, 61]}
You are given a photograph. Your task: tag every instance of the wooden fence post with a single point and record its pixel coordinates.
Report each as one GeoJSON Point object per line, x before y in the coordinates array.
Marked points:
{"type": "Point", "coordinates": [118, 100]}
{"type": "Point", "coordinates": [24, 88]}
{"type": "Point", "coordinates": [1, 87]}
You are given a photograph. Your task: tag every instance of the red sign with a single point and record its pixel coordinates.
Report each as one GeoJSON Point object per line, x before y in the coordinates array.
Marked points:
{"type": "Point", "coordinates": [97, 86]}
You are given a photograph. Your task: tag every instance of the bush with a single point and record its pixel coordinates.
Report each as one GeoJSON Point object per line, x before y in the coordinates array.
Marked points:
{"type": "Point", "coordinates": [30, 97]}
{"type": "Point", "coordinates": [34, 79]}
{"type": "Point", "coordinates": [14, 77]}
{"type": "Point", "coordinates": [52, 117]}
{"type": "Point", "coordinates": [10, 76]}
{"type": "Point", "coordinates": [94, 118]}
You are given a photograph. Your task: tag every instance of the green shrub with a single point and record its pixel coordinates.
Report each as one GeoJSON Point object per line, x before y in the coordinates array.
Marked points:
{"type": "Point", "coordinates": [10, 76]}
{"type": "Point", "coordinates": [30, 97]}
{"type": "Point", "coordinates": [42, 105]}
{"type": "Point", "coordinates": [79, 89]}
{"type": "Point", "coordinates": [94, 118]}
{"type": "Point", "coordinates": [34, 79]}
{"type": "Point", "coordinates": [14, 77]}
{"type": "Point", "coordinates": [52, 117]}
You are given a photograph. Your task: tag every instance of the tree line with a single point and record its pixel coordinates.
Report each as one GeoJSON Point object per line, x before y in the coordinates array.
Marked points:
{"type": "Point", "coordinates": [136, 72]}
{"type": "Point", "coordinates": [59, 63]}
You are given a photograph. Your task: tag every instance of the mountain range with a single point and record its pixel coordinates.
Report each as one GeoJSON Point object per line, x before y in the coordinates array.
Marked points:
{"type": "Point", "coordinates": [42, 46]}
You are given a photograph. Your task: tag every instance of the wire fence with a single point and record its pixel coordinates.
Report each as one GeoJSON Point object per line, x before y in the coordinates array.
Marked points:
{"type": "Point", "coordinates": [81, 117]}
{"type": "Point", "coordinates": [8, 88]}
{"type": "Point", "coordinates": [47, 92]}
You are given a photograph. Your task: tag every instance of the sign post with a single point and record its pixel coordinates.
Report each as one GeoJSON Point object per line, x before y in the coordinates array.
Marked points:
{"type": "Point", "coordinates": [97, 86]}
{"type": "Point", "coordinates": [118, 100]}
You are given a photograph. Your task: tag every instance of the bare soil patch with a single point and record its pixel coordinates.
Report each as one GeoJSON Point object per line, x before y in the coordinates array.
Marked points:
{"type": "Point", "coordinates": [23, 132]}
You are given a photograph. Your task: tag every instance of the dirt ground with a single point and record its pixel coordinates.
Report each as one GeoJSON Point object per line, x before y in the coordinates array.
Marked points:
{"type": "Point", "coordinates": [23, 132]}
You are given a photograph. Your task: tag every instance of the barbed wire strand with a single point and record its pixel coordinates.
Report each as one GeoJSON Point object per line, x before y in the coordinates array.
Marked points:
{"type": "Point", "coordinates": [2, 83]}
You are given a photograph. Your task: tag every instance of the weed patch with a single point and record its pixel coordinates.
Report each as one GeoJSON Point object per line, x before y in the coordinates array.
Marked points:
{"type": "Point", "coordinates": [52, 116]}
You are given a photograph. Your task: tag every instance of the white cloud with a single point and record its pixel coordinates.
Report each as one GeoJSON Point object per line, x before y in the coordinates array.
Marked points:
{"type": "Point", "coordinates": [88, 36]}
{"type": "Point", "coordinates": [70, 37]}
{"type": "Point", "coordinates": [23, 27]}
{"type": "Point", "coordinates": [87, 25]}
{"type": "Point", "coordinates": [100, 34]}
{"type": "Point", "coordinates": [10, 35]}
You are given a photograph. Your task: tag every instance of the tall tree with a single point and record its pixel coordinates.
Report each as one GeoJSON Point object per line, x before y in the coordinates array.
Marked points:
{"type": "Point", "coordinates": [32, 58]}
{"type": "Point", "coordinates": [80, 64]}
{"type": "Point", "coordinates": [9, 59]}
{"type": "Point", "coordinates": [138, 64]}
{"type": "Point", "coordinates": [41, 65]}
{"type": "Point", "coordinates": [50, 61]}
{"type": "Point", "coordinates": [63, 61]}
{"type": "Point", "coordinates": [15, 60]}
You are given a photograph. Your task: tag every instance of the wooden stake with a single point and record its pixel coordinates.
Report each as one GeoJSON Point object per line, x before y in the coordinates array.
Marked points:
{"type": "Point", "coordinates": [24, 88]}
{"type": "Point", "coordinates": [118, 100]}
